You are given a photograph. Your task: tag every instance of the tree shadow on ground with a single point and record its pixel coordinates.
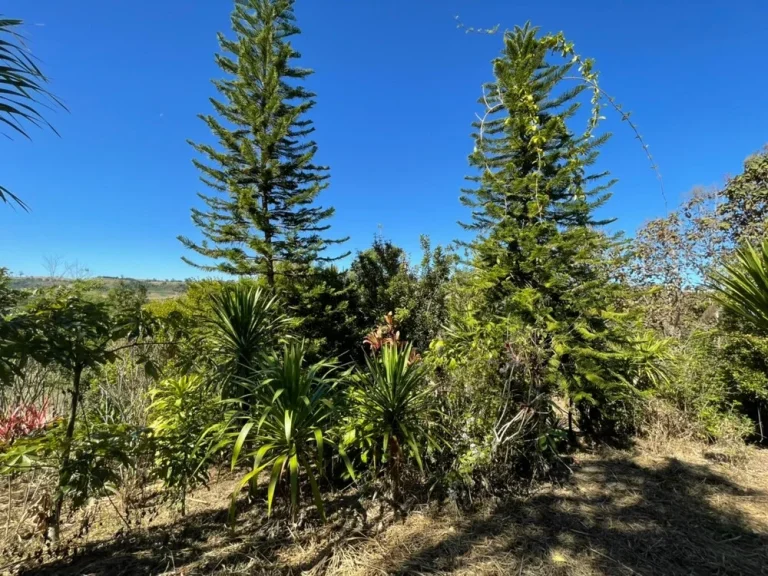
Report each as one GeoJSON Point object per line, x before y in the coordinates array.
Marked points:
{"type": "Point", "coordinates": [616, 517]}
{"type": "Point", "coordinates": [201, 543]}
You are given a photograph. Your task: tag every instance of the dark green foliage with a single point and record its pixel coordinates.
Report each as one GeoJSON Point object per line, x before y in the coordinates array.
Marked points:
{"type": "Point", "coordinates": [14, 349]}
{"type": "Point", "coordinates": [324, 304]}
{"type": "Point", "coordinates": [373, 273]}
{"type": "Point", "coordinates": [182, 410]}
{"type": "Point", "coordinates": [393, 410]}
{"type": "Point", "coordinates": [745, 210]}
{"type": "Point", "coordinates": [742, 287]}
{"type": "Point", "coordinates": [99, 453]}
{"type": "Point", "coordinates": [73, 333]}
{"type": "Point", "coordinates": [540, 260]}
{"type": "Point", "coordinates": [287, 425]}
{"type": "Point", "coordinates": [244, 326]}
{"type": "Point", "coordinates": [263, 171]}
{"type": "Point", "coordinates": [385, 281]}
{"type": "Point", "coordinates": [428, 310]}
{"type": "Point", "coordinates": [744, 369]}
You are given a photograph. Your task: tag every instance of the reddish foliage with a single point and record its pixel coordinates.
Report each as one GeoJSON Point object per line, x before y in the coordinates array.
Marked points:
{"type": "Point", "coordinates": [22, 421]}
{"type": "Point", "coordinates": [388, 334]}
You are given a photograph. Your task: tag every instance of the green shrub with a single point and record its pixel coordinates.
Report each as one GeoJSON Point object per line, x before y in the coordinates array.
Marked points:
{"type": "Point", "coordinates": [182, 410]}
{"type": "Point", "coordinates": [244, 325]}
{"type": "Point", "coordinates": [392, 410]}
{"type": "Point", "coordinates": [89, 463]}
{"type": "Point", "coordinates": [284, 431]}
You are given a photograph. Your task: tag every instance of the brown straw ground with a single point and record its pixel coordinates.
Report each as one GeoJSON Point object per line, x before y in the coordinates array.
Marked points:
{"type": "Point", "coordinates": [682, 510]}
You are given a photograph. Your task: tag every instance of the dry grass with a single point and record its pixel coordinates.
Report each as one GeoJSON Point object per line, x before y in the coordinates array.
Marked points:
{"type": "Point", "coordinates": [689, 509]}
{"type": "Point", "coordinates": [621, 513]}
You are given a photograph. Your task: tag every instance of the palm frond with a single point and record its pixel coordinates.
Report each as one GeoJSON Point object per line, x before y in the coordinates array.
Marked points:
{"type": "Point", "coordinates": [22, 91]}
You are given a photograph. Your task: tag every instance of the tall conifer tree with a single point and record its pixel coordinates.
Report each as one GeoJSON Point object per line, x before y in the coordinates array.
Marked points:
{"type": "Point", "coordinates": [263, 219]}
{"type": "Point", "coordinates": [540, 262]}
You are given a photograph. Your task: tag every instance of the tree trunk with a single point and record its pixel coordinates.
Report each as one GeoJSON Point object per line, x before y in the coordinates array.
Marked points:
{"type": "Point", "coordinates": [394, 468]}
{"type": "Point", "coordinates": [268, 240]}
{"type": "Point", "coordinates": [55, 518]}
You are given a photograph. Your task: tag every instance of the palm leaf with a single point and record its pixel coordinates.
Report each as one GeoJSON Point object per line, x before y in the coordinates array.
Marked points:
{"type": "Point", "coordinates": [22, 91]}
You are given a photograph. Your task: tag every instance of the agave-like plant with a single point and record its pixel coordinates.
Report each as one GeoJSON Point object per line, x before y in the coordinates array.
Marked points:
{"type": "Point", "coordinates": [742, 286]}
{"type": "Point", "coordinates": [245, 325]}
{"type": "Point", "coordinates": [287, 429]}
{"type": "Point", "coordinates": [391, 408]}
{"type": "Point", "coordinates": [21, 89]}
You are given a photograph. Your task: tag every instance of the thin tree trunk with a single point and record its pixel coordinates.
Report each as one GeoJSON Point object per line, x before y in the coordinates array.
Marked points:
{"type": "Point", "coordinates": [268, 241]}
{"type": "Point", "coordinates": [55, 517]}
{"type": "Point", "coordinates": [394, 470]}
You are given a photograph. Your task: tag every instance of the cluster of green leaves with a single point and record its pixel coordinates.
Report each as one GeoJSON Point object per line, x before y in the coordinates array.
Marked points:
{"type": "Point", "coordinates": [89, 463]}
{"type": "Point", "coordinates": [701, 284]}
{"type": "Point", "coordinates": [393, 410]}
{"type": "Point", "coordinates": [289, 410]}
{"type": "Point", "coordinates": [742, 287]}
{"type": "Point", "coordinates": [245, 324]}
{"type": "Point", "coordinates": [71, 329]}
{"type": "Point", "coordinates": [181, 412]}
{"type": "Point", "coordinates": [286, 427]}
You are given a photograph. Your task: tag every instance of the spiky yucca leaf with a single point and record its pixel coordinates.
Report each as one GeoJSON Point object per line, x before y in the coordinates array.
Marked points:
{"type": "Point", "coordinates": [246, 324]}
{"type": "Point", "coordinates": [392, 405]}
{"type": "Point", "coordinates": [742, 286]}
{"type": "Point", "coordinates": [287, 430]}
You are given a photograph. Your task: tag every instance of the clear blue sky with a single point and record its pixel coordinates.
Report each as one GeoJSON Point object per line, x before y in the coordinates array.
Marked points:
{"type": "Point", "coordinates": [397, 85]}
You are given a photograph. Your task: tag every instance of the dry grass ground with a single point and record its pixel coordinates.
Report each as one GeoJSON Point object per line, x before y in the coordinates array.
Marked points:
{"type": "Point", "coordinates": [683, 509]}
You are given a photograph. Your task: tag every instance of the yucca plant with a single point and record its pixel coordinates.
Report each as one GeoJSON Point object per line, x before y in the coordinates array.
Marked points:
{"type": "Point", "coordinates": [287, 428]}
{"type": "Point", "coordinates": [245, 325]}
{"type": "Point", "coordinates": [391, 406]}
{"type": "Point", "coordinates": [182, 410]}
{"type": "Point", "coordinates": [22, 89]}
{"type": "Point", "coordinates": [742, 286]}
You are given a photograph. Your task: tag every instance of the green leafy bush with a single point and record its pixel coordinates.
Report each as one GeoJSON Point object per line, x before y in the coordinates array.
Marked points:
{"type": "Point", "coordinates": [285, 430]}
{"type": "Point", "coordinates": [742, 287]}
{"type": "Point", "coordinates": [89, 463]}
{"type": "Point", "coordinates": [393, 412]}
{"type": "Point", "coordinates": [245, 325]}
{"type": "Point", "coordinates": [182, 410]}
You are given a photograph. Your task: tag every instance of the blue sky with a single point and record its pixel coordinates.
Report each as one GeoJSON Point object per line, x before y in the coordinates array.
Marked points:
{"type": "Point", "coordinates": [396, 87]}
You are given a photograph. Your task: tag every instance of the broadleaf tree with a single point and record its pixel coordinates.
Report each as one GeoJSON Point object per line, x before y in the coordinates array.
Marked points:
{"type": "Point", "coordinates": [263, 218]}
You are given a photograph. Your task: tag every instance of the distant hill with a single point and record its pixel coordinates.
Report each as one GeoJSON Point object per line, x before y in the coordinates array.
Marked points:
{"type": "Point", "coordinates": [156, 289]}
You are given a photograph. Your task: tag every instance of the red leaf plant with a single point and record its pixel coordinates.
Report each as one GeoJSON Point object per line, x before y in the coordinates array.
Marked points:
{"type": "Point", "coordinates": [22, 421]}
